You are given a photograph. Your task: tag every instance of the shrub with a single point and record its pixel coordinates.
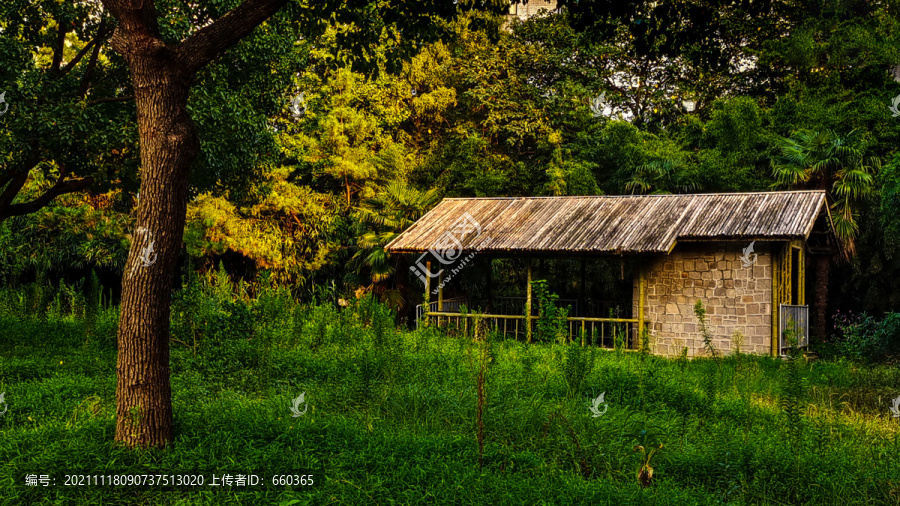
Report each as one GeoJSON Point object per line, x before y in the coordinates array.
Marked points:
{"type": "Point", "coordinates": [576, 365]}
{"type": "Point", "coordinates": [861, 337]}
{"type": "Point", "coordinates": [552, 320]}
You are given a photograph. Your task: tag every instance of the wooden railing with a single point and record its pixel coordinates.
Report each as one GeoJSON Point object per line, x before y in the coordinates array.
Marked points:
{"type": "Point", "coordinates": [514, 305]}
{"type": "Point", "coordinates": [601, 332]}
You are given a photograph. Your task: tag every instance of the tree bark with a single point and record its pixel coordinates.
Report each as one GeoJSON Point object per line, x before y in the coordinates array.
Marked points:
{"type": "Point", "coordinates": [823, 268]}
{"type": "Point", "coordinates": [162, 76]}
{"type": "Point", "coordinates": [169, 144]}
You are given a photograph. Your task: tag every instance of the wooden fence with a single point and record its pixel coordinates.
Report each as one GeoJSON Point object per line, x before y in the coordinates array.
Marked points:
{"type": "Point", "coordinates": [601, 332]}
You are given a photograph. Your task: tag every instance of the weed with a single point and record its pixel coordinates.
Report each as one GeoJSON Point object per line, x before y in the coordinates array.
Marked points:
{"type": "Point", "coordinates": [792, 395]}
{"type": "Point", "coordinates": [700, 313]}
{"type": "Point", "coordinates": [483, 349]}
{"type": "Point", "coordinates": [576, 365]}
{"type": "Point", "coordinates": [552, 323]}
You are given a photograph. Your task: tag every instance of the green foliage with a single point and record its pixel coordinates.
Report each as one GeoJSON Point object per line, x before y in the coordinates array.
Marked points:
{"type": "Point", "coordinates": [231, 401]}
{"type": "Point", "coordinates": [551, 324]}
{"type": "Point", "coordinates": [826, 160]}
{"type": "Point", "coordinates": [700, 313]}
{"type": "Point", "coordinates": [208, 316]}
{"type": "Point", "coordinates": [289, 231]}
{"type": "Point", "coordinates": [792, 396]}
{"type": "Point", "coordinates": [863, 338]}
{"type": "Point", "coordinates": [482, 361]}
{"type": "Point", "coordinates": [711, 375]}
{"type": "Point", "coordinates": [577, 364]}
{"type": "Point", "coordinates": [388, 213]}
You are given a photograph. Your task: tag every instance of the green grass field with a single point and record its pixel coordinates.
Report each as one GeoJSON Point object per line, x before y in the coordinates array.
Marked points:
{"type": "Point", "coordinates": [392, 415]}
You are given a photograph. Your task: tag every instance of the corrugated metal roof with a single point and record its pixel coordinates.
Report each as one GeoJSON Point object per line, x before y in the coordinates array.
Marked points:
{"type": "Point", "coordinates": [609, 224]}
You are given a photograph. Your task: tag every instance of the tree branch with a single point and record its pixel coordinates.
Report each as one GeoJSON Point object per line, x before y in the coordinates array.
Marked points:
{"type": "Point", "coordinates": [97, 41]}
{"type": "Point", "coordinates": [61, 187]}
{"type": "Point", "coordinates": [92, 63]}
{"type": "Point", "coordinates": [16, 179]}
{"type": "Point", "coordinates": [69, 66]}
{"type": "Point", "coordinates": [60, 46]}
{"type": "Point", "coordinates": [200, 48]}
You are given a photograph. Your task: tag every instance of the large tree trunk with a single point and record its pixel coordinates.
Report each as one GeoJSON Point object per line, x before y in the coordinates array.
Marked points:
{"type": "Point", "coordinates": [169, 144]}
{"type": "Point", "coordinates": [162, 76]}
{"type": "Point", "coordinates": [823, 268]}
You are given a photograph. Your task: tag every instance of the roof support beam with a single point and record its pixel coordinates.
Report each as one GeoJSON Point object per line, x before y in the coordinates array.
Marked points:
{"type": "Point", "coordinates": [528, 305]}
{"type": "Point", "coordinates": [427, 288]}
{"type": "Point", "coordinates": [642, 295]}
{"type": "Point", "coordinates": [441, 291]}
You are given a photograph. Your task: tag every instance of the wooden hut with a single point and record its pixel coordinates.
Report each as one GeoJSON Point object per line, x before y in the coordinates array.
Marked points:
{"type": "Point", "coordinates": [742, 255]}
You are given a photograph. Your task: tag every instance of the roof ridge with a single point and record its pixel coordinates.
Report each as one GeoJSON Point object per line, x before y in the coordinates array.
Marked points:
{"type": "Point", "coordinates": [635, 196]}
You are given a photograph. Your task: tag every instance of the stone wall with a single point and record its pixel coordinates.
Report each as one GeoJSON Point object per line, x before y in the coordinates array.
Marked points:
{"type": "Point", "coordinates": [525, 11]}
{"type": "Point", "coordinates": [736, 298]}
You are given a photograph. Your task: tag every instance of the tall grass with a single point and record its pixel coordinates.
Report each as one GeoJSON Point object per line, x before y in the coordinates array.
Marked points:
{"type": "Point", "coordinates": [391, 412]}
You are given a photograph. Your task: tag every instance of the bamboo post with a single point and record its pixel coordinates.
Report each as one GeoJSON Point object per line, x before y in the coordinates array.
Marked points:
{"type": "Point", "coordinates": [441, 291]}
{"type": "Point", "coordinates": [786, 265]}
{"type": "Point", "coordinates": [642, 292]}
{"type": "Point", "coordinates": [801, 277]}
{"type": "Point", "coordinates": [428, 291]}
{"type": "Point", "coordinates": [528, 306]}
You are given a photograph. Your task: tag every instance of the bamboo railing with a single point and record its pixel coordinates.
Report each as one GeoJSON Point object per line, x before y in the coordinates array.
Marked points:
{"type": "Point", "coordinates": [601, 332]}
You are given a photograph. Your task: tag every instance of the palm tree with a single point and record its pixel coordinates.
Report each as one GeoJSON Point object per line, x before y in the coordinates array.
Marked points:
{"type": "Point", "coordinates": [825, 160]}
{"type": "Point", "coordinates": [385, 216]}
{"type": "Point", "coordinates": [662, 176]}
